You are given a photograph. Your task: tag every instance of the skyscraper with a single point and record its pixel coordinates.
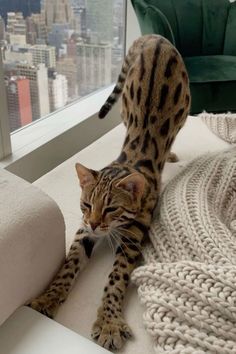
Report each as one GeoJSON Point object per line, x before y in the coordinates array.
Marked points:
{"type": "Point", "coordinates": [68, 67]}
{"type": "Point", "coordinates": [18, 100]}
{"type": "Point", "coordinates": [94, 66]}
{"type": "Point", "coordinates": [2, 29]}
{"type": "Point", "coordinates": [36, 29]}
{"type": "Point", "coordinates": [38, 78]}
{"type": "Point", "coordinates": [58, 35]}
{"type": "Point", "coordinates": [80, 15]}
{"type": "Point", "coordinates": [58, 90]}
{"type": "Point", "coordinates": [16, 23]}
{"type": "Point", "coordinates": [45, 54]}
{"type": "Point", "coordinates": [25, 6]}
{"type": "Point", "coordinates": [100, 20]}
{"type": "Point", "coordinates": [17, 56]}
{"type": "Point", "coordinates": [57, 11]}
{"type": "Point", "coordinates": [16, 28]}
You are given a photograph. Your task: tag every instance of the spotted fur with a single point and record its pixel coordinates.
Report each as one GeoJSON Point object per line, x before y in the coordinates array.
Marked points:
{"type": "Point", "coordinates": [118, 201]}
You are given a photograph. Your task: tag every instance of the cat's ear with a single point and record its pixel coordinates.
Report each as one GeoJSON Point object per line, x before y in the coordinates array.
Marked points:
{"type": "Point", "coordinates": [134, 184]}
{"type": "Point", "coordinates": [86, 176]}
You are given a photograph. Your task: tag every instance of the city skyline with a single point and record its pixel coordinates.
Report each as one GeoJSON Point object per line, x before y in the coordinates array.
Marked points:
{"type": "Point", "coordinates": [66, 50]}
{"type": "Point", "coordinates": [27, 7]}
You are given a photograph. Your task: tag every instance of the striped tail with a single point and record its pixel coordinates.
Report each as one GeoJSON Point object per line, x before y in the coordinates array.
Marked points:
{"type": "Point", "coordinates": [114, 96]}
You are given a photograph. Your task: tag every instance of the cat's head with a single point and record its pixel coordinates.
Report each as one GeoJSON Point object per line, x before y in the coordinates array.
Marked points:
{"type": "Point", "coordinates": [107, 202]}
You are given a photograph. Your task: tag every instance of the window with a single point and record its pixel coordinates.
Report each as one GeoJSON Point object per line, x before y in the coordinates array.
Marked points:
{"type": "Point", "coordinates": [56, 51]}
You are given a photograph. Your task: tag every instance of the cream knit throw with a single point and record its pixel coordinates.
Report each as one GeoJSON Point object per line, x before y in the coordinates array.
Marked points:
{"type": "Point", "coordinates": [188, 284]}
{"type": "Point", "coordinates": [222, 125]}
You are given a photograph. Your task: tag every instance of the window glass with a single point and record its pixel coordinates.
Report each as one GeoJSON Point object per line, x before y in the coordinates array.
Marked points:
{"type": "Point", "coordinates": [56, 51]}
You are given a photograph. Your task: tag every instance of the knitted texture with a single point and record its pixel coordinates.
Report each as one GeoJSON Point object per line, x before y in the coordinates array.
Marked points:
{"type": "Point", "coordinates": [222, 125]}
{"type": "Point", "coordinates": [188, 282]}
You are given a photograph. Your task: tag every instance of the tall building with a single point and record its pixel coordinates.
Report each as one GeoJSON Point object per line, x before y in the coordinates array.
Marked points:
{"type": "Point", "coordinates": [16, 28]}
{"type": "Point", "coordinates": [19, 56]}
{"type": "Point", "coordinates": [36, 29]}
{"type": "Point", "coordinates": [100, 20]}
{"type": "Point", "coordinates": [2, 29]}
{"type": "Point", "coordinates": [118, 22]}
{"type": "Point", "coordinates": [38, 78]}
{"type": "Point", "coordinates": [16, 39]}
{"type": "Point", "coordinates": [57, 11]}
{"type": "Point", "coordinates": [31, 30]}
{"type": "Point", "coordinates": [94, 66]}
{"type": "Point", "coordinates": [81, 3]}
{"type": "Point", "coordinates": [25, 6]}
{"type": "Point", "coordinates": [18, 100]}
{"type": "Point", "coordinates": [58, 35]}
{"type": "Point", "coordinates": [58, 90]}
{"type": "Point", "coordinates": [68, 67]}
{"type": "Point", "coordinates": [16, 23]}
{"type": "Point", "coordinates": [71, 48]}
{"type": "Point", "coordinates": [80, 15]}
{"type": "Point", "coordinates": [45, 54]}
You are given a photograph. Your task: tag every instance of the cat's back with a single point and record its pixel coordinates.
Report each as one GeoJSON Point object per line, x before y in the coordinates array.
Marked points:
{"type": "Point", "coordinates": [157, 82]}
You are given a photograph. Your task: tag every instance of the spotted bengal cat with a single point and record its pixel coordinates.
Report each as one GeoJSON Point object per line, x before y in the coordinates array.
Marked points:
{"type": "Point", "coordinates": [119, 200]}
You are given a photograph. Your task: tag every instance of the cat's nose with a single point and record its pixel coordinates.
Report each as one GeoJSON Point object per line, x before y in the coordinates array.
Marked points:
{"type": "Point", "coordinates": [94, 225]}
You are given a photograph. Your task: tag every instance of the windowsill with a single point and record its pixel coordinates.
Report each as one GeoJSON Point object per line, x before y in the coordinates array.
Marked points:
{"type": "Point", "coordinates": [42, 131]}
{"type": "Point", "coordinates": [48, 142]}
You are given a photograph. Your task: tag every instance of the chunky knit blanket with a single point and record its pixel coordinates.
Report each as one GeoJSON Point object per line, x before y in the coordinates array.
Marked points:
{"type": "Point", "coordinates": [223, 125]}
{"type": "Point", "coordinates": [188, 282]}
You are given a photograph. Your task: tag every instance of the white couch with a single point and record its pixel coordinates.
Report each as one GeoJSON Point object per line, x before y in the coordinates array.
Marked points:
{"type": "Point", "coordinates": [79, 311]}
{"type": "Point", "coordinates": [32, 242]}
{"type": "Point", "coordinates": [32, 235]}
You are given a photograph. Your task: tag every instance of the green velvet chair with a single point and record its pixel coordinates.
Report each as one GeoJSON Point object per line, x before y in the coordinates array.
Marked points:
{"type": "Point", "coordinates": [204, 32]}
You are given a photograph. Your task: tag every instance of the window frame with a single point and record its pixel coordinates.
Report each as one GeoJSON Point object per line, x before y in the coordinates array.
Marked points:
{"type": "Point", "coordinates": [33, 156]}
{"type": "Point", "coordinates": [5, 139]}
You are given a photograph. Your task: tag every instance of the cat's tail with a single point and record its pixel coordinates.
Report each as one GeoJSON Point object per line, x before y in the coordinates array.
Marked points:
{"type": "Point", "coordinates": [114, 96]}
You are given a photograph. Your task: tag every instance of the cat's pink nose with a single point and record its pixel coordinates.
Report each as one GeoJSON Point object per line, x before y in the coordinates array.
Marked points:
{"type": "Point", "coordinates": [94, 225]}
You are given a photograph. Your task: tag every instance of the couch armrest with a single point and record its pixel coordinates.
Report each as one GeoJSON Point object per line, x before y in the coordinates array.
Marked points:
{"type": "Point", "coordinates": [32, 242]}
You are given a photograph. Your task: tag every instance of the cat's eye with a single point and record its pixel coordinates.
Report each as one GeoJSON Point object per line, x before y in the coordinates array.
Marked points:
{"type": "Point", "coordinates": [86, 205]}
{"type": "Point", "coordinates": [109, 210]}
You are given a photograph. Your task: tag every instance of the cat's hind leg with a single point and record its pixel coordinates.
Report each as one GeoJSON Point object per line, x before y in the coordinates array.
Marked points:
{"type": "Point", "coordinates": [57, 292]}
{"type": "Point", "coordinates": [172, 157]}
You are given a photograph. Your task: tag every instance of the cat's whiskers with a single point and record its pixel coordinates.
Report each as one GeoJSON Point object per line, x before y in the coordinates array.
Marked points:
{"type": "Point", "coordinates": [119, 242]}
{"type": "Point", "coordinates": [119, 235]}
{"type": "Point", "coordinates": [123, 232]}
{"type": "Point", "coordinates": [111, 244]}
{"type": "Point", "coordinates": [127, 231]}
{"type": "Point", "coordinates": [138, 246]}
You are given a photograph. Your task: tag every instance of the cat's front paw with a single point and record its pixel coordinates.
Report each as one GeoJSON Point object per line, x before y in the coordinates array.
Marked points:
{"type": "Point", "coordinates": [111, 333]}
{"type": "Point", "coordinates": [45, 304]}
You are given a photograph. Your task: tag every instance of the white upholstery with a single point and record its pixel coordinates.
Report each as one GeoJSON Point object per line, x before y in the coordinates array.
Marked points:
{"type": "Point", "coordinates": [32, 233]}
{"type": "Point", "coordinates": [29, 332]}
{"type": "Point", "coordinates": [32, 242]}
{"type": "Point", "coordinates": [79, 311]}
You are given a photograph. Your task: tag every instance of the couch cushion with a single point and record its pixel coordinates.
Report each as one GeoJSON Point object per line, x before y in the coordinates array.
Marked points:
{"type": "Point", "coordinates": [32, 242]}
{"type": "Point", "coordinates": [213, 68]}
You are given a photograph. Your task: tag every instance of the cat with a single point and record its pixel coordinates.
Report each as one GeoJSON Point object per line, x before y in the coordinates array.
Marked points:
{"type": "Point", "coordinates": [119, 200]}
